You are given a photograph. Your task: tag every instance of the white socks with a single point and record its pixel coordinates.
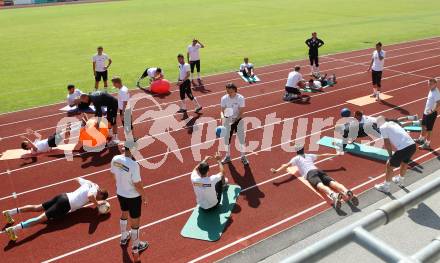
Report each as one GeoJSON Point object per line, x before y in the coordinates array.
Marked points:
{"type": "Point", "coordinates": [13, 212]}
{"type": "Point", "coordinates": [182, 105]}
{"type": "Point", "coordinates": [135, 237]}
{"type": "Point", "coordinates": [198, 75]}
{"type": "Point", "coordinates": [196, 103]}
{"type": "Point", "coordinates": [123, 225]}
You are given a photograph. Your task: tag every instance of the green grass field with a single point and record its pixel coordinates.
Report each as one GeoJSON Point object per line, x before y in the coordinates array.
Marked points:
{"type": "Point", "coordinates": [43, 49]}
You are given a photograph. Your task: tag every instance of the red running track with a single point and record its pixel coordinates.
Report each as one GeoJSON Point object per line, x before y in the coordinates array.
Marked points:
{"type": "Point", "coordinates": [267, 204]}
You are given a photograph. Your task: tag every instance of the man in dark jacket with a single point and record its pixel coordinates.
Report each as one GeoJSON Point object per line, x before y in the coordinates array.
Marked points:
{"type": "Point", "coordinates": [314, 43]}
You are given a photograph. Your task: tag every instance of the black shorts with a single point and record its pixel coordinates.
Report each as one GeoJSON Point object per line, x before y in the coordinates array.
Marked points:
{"type": "Point", "coordinates": [234, 129]}
{"type": "Point", "coordinates": [195, 64]}
{"type": "Point", "coordinates": [429, 120]}
{"type": "Point", "coordinates": [132, 205]}
{"type": "Point", "coordinates": [317, 176]}
{"type": "Point", "coordinates": [403, 156]}
{"type": "Point", "coordinates": [112, 113]}
{"type": "Point", "coordinates": [185, 89]}
{"type": "Point", "coordinates": [292, 90]}
{"type": "Point", "coordinates": [57, 207]}
{"type": "Point", "coordinates": [314, 59]}
{"type": "Point", "coordinates": [54, 140]}
{"type": "Point", "coordinates": [101, 75]}
{"type": "Point", "coordinates": [376, 77]}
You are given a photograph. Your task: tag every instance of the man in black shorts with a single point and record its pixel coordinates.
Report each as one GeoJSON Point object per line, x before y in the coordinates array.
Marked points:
{"type": "Point", "coordinates": [193, 57]}
{"type": "Point", "coordinates": [395, 136]}
{"type": "Point", "coordinates": [184, 85]}
{"type": "Point", "coordinates": [429, 115]}
{"type": "Point", "coordinates": [318, 178]}
{"type": "Point", "coordinates": [100, 69]}
{"type": "Point", "coordinates": [57, 207]}
{"type": "Point", "coordinates": [131, 195]}
{"type": "Point", "coordinates": [314, 43]}
{"type": "Point", "coordinates": [376, 67]}
{"type": "Point", "coordinates": [103, 99]}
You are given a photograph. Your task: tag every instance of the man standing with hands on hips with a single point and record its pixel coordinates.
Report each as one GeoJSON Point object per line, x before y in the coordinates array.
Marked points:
{"type": "Point", "coordinates": [314, 43]}
{"type": "Point", "coordinates": [99, 67]}
{"type": "Point", "coordinates": [376, 67]}
{"type": "Point", "coordinates": [193, 57]}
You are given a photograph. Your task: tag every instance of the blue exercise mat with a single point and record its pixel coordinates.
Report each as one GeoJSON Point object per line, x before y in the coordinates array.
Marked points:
{"type": "Point", "coordinates": [356, 148]}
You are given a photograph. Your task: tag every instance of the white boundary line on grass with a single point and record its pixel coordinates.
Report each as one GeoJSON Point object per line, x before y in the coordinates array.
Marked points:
{"type": "Point", "coordinates": [285, 62]}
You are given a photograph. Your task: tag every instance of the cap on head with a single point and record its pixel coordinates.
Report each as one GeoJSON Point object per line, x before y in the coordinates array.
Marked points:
{"type": "Point", "coordinates": [203, 168]}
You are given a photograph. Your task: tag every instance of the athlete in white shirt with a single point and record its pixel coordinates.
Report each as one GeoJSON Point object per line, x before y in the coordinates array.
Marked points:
{"type": "Point", "coordinates": [208, 189]}
{"type": "Point", "coordinates": [38, 145]}
{"type": "Point", "coordinates": [153, 74]}
{"type": "Point", "coordinates": [184, 85]}
{"type": "Point", "coordinates": [130, 192]}
{"type": "Point", "coordinates": [395, 136]}
{"type": "Point", "coordinates": [73, 96]}
{"type": "Point", "coordinates": [318, 178]}
{"type": "Point", "coordinates": [123, 98]}
{"type": "Point", "coordinates": [232, 105]}
{"type": "Point", "coordinates": [293, 84]}
{"type": "Point", "coordinates": [100, 69]}
{"type": "Point", "coordinates": [429, 115]}
{"type": "Point", "coordinates": [376, 67]}
{"type": "Point", "coordinates": [247, 69]}
{"type": "Point", "coordinates": [57, 207]}
{"type": "Point", "coordinates": [193, 57]}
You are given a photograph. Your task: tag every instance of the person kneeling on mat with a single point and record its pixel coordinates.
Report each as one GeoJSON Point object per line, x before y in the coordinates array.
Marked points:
{"type": "Point", "coordinates": [57, 207]}
{"type": "Point", "coordinates": [247, 69]}
{"type": "Point", "coordinates": [318, 178]}
{"type": "Point", "coordinates": [208, 189]}
{"type": "Point", "coordinates": [293, 84]}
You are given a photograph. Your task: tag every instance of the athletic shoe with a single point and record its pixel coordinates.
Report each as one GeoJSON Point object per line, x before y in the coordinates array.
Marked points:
{"type": "Point", "coordinates": [244, 160]}
{"type": "Point", "coordinates": [377, 97]}
{"type": "Point", "coordinates": [124, 241]}
{"type": "Point", "coordinates": [227, 159]}
{"type": "Point", "coordinates": [336, 198]}
{"type": "Point", "coordinates": [198, 110]}
{"type": "Point", "coordinates": [383, 187]}
{"type": "Point", "coordinates": [194, 83]}
{"type": "Point", "coordinates": [200, 82]}
{"type": "Point", "coordinates": [424, 146]}
{"type": "Point", "coordinates": [352, 198]}
{"type": "Point", "coordinates": [399, 180]}
{"type": "Point", "coordinates": [141, 247]}
{"type": "Point", "coordinates": [373, 95]}
{"type": "Point", "coordinates": [181, 111]}
{"type": "Point", "coordinates": [419, 141]}
{"type": "Point", "coordinates": [11, 233]}
{"type": "Point", "coordinates": [8, 217]}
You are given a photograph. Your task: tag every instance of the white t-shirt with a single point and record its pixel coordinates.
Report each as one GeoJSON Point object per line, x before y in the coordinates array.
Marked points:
{"type": "Point", "coordinates": [123, 95]}
{"type": "Point", "coordinates": [42, 146]}
{"type": "Point", "coordinates": [151, 72]}
{"type": "Point", "coordinates": [183, 69]}
{"type": "Point", "coordinates": [204, 188]}
{"type": "Point", "coordinates": [398, 137]}
{"type": "Point", "coordinates": [293, 79]}
{"type": "Point", "coordinates": [317, 84]}
{"type": "Point", "coordinates": [248, 66]}
{"type": "Point", "coordinates": [80, 197]}
{"type": "Point", "coordinates": [100, 61]}
{"type": "Point", "coordinates": [304, 163]}
{"type": "Point", "coordinates": [431, 102]}
{"type": "Point", "coordinates": [72, 97]}
{"type": "Point", "coordinates": [194, 52]}
{"type": "Point", "coordinates": [377, 63]}
{"type": "Point", "coordinates": [234, 103]}
{"type": "Point", "coordinates": [368, 119]}
{"type": "Point", "coordinates": [127, 173]}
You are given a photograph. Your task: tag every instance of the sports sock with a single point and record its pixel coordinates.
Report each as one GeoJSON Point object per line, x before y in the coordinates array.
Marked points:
{"type": "Point", "coordinates": [198, 75]}
{"type": "Point", "coordinates": [317, 70]}
{"type": "Point", "coordinates": [182, 105]}
{"type": "Point", "coordinates": [123, 225]}
{"type": "Point", "coordinates": [228, 150]}
{"type": "Point", "coordinates": [192, 76]}
{"type": "Point", "coordinates": [18, 227]}
{"type": "Point", "coordinates": [242, 150]}
{"type": "Point", "coordinates": [312, 70]}
{"type": "Point", "coordinates": [196, 103]}
{"type": "Point", "coordinates": [135, 237]}
{"type": "Point", "coordinates": [13, 212]}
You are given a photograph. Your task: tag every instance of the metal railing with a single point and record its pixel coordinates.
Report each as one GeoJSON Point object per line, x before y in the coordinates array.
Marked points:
{"type": "Point", "coordinates": [359, 232]}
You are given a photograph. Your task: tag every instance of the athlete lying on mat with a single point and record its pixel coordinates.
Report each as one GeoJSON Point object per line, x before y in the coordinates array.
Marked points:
{"type": "Point", "coordinates": [39, 145]}
{"type": "Point", "coordinates": [208, 189]}
{"type": "Point", "coordinates": [322, 82]}
{"type": "Point", "coordinates": [318, 178]}
{"type": "Point", "coordinates": [57, 207]}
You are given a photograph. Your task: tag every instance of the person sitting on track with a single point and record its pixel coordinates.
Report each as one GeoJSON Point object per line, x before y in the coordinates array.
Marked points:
{"type": "Point", "coordinates": [247, 69]}
{"type": "Point", "coordinates": [318, 178]}
{"type": "Point", "coordinates": [293, 85]}
{"type": "Point", "coordinates": [72, 99]}
{"type": "Point", "coordinates": [152, 74]}
{"type": "Point", "coordinates": [39, 145]}
{"type": "Point", "coordinates": [57, 207]}
{"type": "Point", "coordinates": [208, 189]}
{"type": "Point", "coordinates": [103, 99]}
{"type": "Point", "coordinates": [314, 85]}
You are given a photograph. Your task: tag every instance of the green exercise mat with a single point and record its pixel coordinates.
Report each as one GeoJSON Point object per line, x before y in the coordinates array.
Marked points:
{"type": "Point", "coordinates": [356, 148]}
{"type": "Point", "coordinates": [210, 225]}
{"type": "Point", "coordinates": [249, 79]}
{"type": "Point", "coordinates": [413, 128]}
